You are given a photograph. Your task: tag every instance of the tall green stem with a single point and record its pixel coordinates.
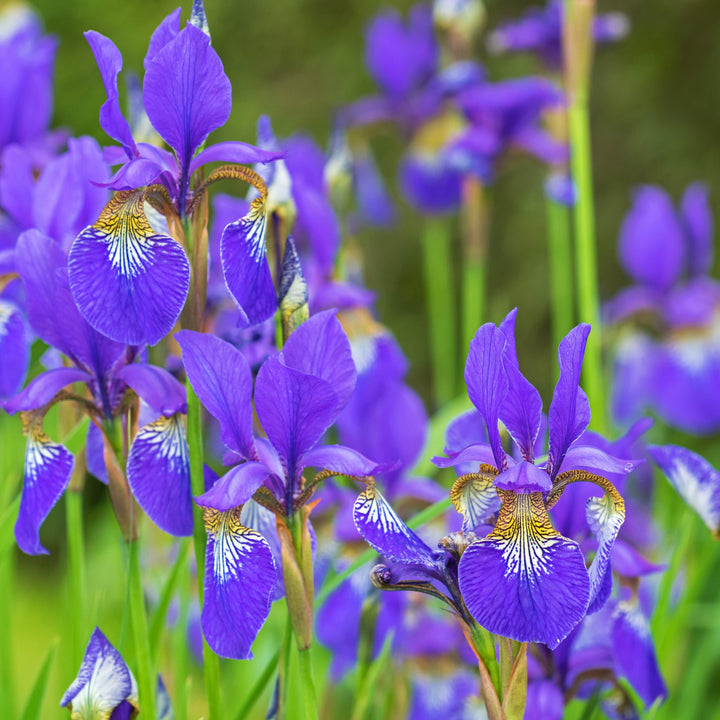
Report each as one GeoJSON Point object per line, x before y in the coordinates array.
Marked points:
{"type": "Point", "coordinates": [474, 245]}
{"type": "Point", "coordinates": [211, 663]}
{"type": "Point", "coordinates": [440, 307]}
{"type": "Point", "coordinates": [561, 271]}
{"type": "Point", "coordinates": [577, 39]}
{"type": "Point", "coordinates": [143, 657]}
{"type": "Point", "coordinates": [7, 684]}
{"type": "Point", "coordinates": [307, 683]}
{"type": "Point", "coordinates": [76, 573]}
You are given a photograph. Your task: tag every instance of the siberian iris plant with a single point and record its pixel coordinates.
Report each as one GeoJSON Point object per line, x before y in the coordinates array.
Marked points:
{"type": "Point", "coordinates": [298, 394]}
{"type": "Point", "coordinates": [667, 347]}
{"type": "Point", "coordinates": [129, 274]}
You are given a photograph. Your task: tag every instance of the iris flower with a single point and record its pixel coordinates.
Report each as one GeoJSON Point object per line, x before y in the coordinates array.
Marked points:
{"type": "Point", "coordinates": [158, 460]}
{"type": "Point", "coordinates": [523, 579]}
{"type": "Point", "coordinates": [298, 394]}
{"type": "Point", "coordinates": [130, 276]}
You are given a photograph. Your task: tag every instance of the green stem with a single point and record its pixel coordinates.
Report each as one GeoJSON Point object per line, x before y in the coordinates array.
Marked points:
{"type": "Point", "coordinates": [76, 573]}
{"type": "Point", "coordinates": [284, 669]}
{"type": "Point", "coordinates": [440, 307]}
{"type": "Point", "coordinates": [307, 683]}
{"type": "Point", "coordinates": [586, 256]}
{"type": "Point", "coordinates": [475, 244]}
{"type": "Point", "coordinates": [143, 657]}
{"type": "Point", "coordinates": [211, 663]}
{"type": "Point", "coordinates": [7, 684]}
{"type": "Point", "coordinates": [180, 650]}
{"type": "Point", "coordinates": [485, 647]}
{"type": "Point", "coordinates": [561, 284]}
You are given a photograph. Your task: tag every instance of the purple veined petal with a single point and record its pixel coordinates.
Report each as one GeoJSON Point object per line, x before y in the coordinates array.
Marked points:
{"type": "Point", "coordinates": [241, 153]}
{"type": "Point", "coordinates": [341, 460]}
{"type": "Point", "coordinates": [43, 388]}
{"type": "Point", "coordinates": [129, 282]}
{"type": "Point", "coordinates": [317, 220]}
{"type": "Point", "coordinates": [256, 517]}
{"type": "Point", "coordinates": [544, 701]}
{"type": "Point", "coordinates": [321, 348]}
{"type": "Point", "coordinates": [245, 266]}
{"type": "Point", "coordinates": [481, 453]}
{"type": "Point", "coordinates": [524, 477]}
{"type": "Point", "coordinates": [109, 62]}
{"type": "Point", "coordinates": [385, 532]}
{"type": "Point", "coordinates": [521, 410]}
{"type": "Point", "coordinates": [136, 173]}
{"type": "Point", "coordinates": [525, 581]}
{"type": "Point", "coordinates": [166, 31]}
{"type": "Point", "coordinates": [651, 245]}
{"type": "Point", "coordinates": [594, 460]}
{"type": "Point", "coordinates": [698, 220]}
{"type": "Point", "coordinates": [569, 413]}
{"type": "Point", "coordinates": [103, 682]}
{"type": "Point", "coordinates": [294, 409]}
{"type": "Point", "coordinates": [234, 488]}
{"type": "Point", "coordinates": [48, 467]}
{"type": "Point", "coordinates": [487, 382]}
{"type": "Point", "coordinates": [14, 349]}
{"type": "Point", "coordinates": [95, 454]}
{"type": "Point", "coordinates": [156, 386]}
{"type": "Point", "coordinates": [697, 482]}
{"type": "Point", "coordinates": [186, 92]}
{"type": "Point", "coordinates": [634, 653]}
{"type": "Point", "coordinates": [240, 578]}
{"type": "Point", "coordinates": [221, 377]}
{"type": "Point", "coordinates": [158, 472]}
{"type": "Point", "coordinates": [476, 499]}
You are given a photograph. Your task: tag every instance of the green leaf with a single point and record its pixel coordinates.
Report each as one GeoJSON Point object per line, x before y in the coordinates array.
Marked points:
{"type": "Point", "coordinates": [34, 703]}
{"type": "Point", "coordinates": [7, 523]}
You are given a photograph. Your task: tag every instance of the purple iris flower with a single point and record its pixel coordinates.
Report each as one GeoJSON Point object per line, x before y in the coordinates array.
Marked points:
{"type": "Point", "coordinates": [104, 686]}
{"type": "Point", "coordinates": [667, 354]}
{"type": "Point", "coordinates": [27, 59]}
{"type": "Point", "coordinates": [298, 395]}
{"type": "Point", "coordinates": [130, 274]}
{"type": "Point", "coordinates": [158, 459]}
{"type": "Point", "coordinates": [539, 31]}
{"type": "Point", "coordinates": [524, 580]}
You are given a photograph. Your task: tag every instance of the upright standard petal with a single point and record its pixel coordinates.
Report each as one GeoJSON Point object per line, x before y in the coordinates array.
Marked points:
{"type": "Point", "coordinates": [245, 265]}
{"type": "Point", "coordinates": [521, 411]}
{"type": "Point", "coordinates": [569, 413]}
{"type": "Point", "coordinates": [158, 472]}
{"type": "Point", "coordinates": [487, 382]}
{"type": "Point", "coordinates": [129, 282]}
{"type": "Point", "coordinates": [321, 348]}
{"type": "Point", "coordinates": [698, 220]}
{"type": "Point", "coordinates": [102, 684]}
{"type": "Point", "coordinates": [525, 581]}
{"type": "Point", "coordinates": [186, 92]}
{"type": "Point", "coordinates": [697, 482]}
{"type": "Point", "coordinates": [221, 377]}
{"type": "Point", "coordinates": [294, 409]}
{"type": "Point", "coordinates": [48, 467]}
{"type": "Point", "coordinates": [240, 579]}
{"type": "Point", "coordinates": [385, 532]}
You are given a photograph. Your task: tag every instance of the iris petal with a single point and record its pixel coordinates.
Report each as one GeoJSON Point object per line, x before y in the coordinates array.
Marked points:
{"type": "Point", "coordinates": [525, 581]}
{"type": "Point", "coordinates": [48, 467]}
{"type": "Point", "coordinates": [475, 498]}
{"type": "Point", "coordinates": [240, 578]}
{"type": "Point", "coordinates": [158, 472]}
{"type": "Point", "coordinates": [129, 282]}
{"type": "Point", "coordinates": [14, 349]}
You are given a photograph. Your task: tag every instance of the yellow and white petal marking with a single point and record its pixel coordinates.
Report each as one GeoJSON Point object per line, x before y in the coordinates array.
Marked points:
{"type": "Point", "coordinates": [475, 497]}
{"type": "Point", "coordinates": [232, 542]}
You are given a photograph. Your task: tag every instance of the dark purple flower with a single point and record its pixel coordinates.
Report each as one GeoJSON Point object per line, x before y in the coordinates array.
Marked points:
{"type": "Point", "coordinates": [298, 395]}
{"type": "Point", "coordinates": [539, 31]}
{"type": "Point", "coordinates": [103, 685]}
{"type": "Point", "coordinates": [540, 588]}
{"type": "Point", "coordinates": [158, 461]}
{"type": "Point", "coordinates": [667, 356]}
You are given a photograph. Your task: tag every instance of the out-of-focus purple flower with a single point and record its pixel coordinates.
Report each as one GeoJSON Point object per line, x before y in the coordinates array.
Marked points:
{"type": "Point", "coordinates": [27, 59]}
{"type": "Point", "coordinates": [298, 395]}
{"type": "Point", "coordinates": [158, 460]}
{"type": "Point", "coordinates": [539, 31]}
{"type": "Point", "coordinates": [104, 686]}
{"type": "Point", "coordinates": [667, 354]}
{"type": "Point", "coordinates": [543, 593]}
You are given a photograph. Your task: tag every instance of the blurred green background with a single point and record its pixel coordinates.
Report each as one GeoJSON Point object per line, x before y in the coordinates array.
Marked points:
{"type": "Point", "coordinates": [655, 119]}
